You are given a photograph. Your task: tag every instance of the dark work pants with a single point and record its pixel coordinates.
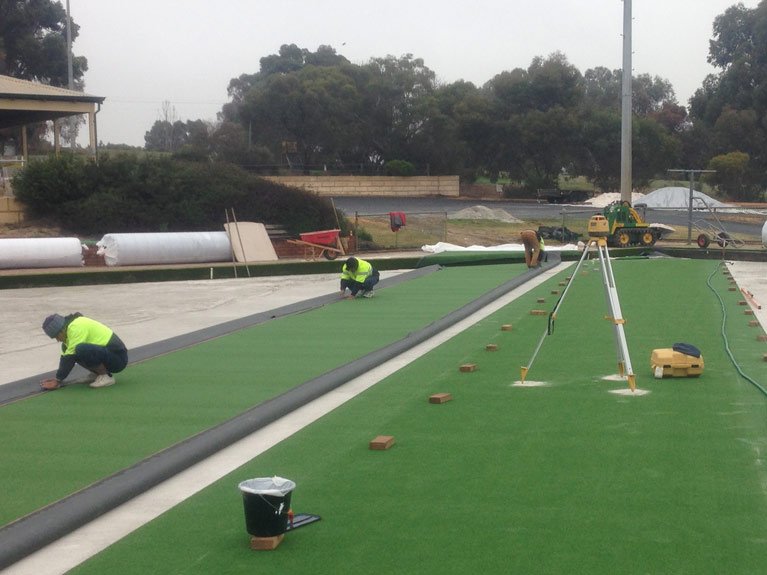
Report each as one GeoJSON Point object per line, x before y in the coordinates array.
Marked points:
{"type": "Point", "coordinates": [91, 356]}
{"type": "Point", "coordinates": [367, 285]}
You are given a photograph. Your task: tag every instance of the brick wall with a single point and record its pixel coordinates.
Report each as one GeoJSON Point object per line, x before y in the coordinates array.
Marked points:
{"type": "Point", "coordinates": [374, 185]}
{"type": "Point", "coordinates": [10, 210]}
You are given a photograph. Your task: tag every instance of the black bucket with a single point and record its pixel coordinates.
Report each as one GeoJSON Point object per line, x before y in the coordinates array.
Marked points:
{"type": "Point", "coordinates": [267, 502]}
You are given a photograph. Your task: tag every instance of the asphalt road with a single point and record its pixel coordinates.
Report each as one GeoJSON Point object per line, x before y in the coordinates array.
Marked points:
{"type": "Point", "coordinates": [533, 211]}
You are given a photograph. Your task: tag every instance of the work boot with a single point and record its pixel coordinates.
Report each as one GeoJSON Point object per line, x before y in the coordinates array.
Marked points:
{"type": "Point", "coordinates": [104, 380]}
{"type": "Point", "coordinates": [367, 293]}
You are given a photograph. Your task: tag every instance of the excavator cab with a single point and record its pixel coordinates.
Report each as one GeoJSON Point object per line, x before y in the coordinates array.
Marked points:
{"type": "Point", "coordinates": [626, 226]}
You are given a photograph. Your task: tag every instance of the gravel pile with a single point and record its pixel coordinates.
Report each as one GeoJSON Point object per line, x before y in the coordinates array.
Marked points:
{"type": "Point", "coordinates": [484, 213]}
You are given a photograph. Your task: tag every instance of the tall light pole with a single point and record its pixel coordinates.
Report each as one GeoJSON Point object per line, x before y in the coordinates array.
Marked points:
{"type": "Point", "coordinates": [626, 186]}
{"type": "Point", "coordinates": [70, 72]}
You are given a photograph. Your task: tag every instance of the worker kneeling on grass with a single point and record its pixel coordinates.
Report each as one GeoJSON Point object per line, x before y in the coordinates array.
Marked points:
{"type": "Point", "coordinates": [358, 276]}
{"type": "Point", "coordinates": [86, 342]}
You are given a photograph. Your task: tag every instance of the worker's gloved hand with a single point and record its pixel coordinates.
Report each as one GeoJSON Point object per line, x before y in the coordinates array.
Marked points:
{"type": "Point", "coordinates": [49, 384]}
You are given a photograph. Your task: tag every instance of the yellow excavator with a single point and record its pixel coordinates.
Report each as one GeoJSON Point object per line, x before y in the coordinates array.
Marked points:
{"type": "Point", "coordinates": [627, 228]}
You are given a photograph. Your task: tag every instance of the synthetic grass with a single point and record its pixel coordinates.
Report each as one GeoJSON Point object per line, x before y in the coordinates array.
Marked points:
{"type": "Point", "coordinates": [57, 443]}
{"type": "Point", "coordinates": [567, 478]}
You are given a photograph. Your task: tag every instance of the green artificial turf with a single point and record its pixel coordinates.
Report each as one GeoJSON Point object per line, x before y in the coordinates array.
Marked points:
{"type": "Point", "coordinates": [566, 478]}
{"type": "Point", "coordinates": [57, 443]}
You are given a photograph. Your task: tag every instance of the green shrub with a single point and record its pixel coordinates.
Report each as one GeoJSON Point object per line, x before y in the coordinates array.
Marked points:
{"type": "Point", "coordinates": [399, 168]}
{"type": "Point", "coordinates": [126, 193]}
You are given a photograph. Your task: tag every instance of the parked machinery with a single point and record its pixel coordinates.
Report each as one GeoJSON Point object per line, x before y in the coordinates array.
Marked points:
{"type": "Point", "coordinates": [627, 228]}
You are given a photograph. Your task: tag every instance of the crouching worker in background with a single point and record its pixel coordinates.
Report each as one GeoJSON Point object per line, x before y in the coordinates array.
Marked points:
{"type": "Point", "coordinates": [86, 342]}
{"type": "Point", "coordinates": [358, 276]}
{"type": "Point", "coordinates": [534, 248]}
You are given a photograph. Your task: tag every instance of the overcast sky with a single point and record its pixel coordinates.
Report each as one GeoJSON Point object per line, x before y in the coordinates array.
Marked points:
{"type": "Point", "coordinates": [144, 52]}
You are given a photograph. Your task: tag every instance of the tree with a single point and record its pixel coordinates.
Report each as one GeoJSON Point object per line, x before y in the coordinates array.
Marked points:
{"type": "Point", "coordinates": [33, 43]}
{"type": "Point", "coordinates": [730, 106]}
{"type": "Point", "coordinates": [734, 176]}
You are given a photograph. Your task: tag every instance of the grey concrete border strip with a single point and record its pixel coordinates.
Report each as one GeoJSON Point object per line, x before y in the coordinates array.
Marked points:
{"type": "Point", "coordinates": [34, 531]}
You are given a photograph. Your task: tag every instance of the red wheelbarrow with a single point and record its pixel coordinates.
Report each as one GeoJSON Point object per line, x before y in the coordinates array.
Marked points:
{"type": "Point", "coordinates": [327, 241]}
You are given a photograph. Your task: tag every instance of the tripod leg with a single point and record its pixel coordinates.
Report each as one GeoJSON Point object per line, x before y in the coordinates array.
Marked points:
{"type": "Point", "coordinates": [616, 316]}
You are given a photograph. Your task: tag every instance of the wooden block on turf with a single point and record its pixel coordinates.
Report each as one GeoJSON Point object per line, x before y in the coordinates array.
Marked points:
{"type": "Point", "coordinates": [541, 300]}
{"type": "Point", "coordinates": [563, 283]}
{"type": "Point", "coordinates": [762, 337]}
{"type": "Point", "coordinates": [732, 288]}
{"type": "Point", "coordinates": [491, 347]}
{"type": "Point", "coordinates": [266, 543]}
{"type": "Point", "coordinates": [538, 312]}
{"type": "Point", "coordinates": [764, 357]}
{"type": "Point", "coordinates": [467, 367]}
{"type": "Point", "coordinates": [742, 302]}
{"type": "Point", "coordinates": [748, 312]}
{"type": "Point", "coordinates": [506, 327]}
{"type": "Point", "coordinates": [440, 398]}
{"type": "Point", "coordinates": [753, 323]}
{"type": "Point", "coordinates": [382, 442]}
{"type": "Point", "coordinates": [554, 292]}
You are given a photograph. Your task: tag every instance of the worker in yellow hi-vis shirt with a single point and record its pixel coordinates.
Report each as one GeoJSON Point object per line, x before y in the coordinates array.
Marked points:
{"type": "Point", "coordinates": [86, 342]}
{"type": "Point", "coordinates": [358, 276]}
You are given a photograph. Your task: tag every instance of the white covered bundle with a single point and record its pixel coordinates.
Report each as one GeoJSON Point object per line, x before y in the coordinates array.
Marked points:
{"type": "Point", "coordinates": [164, 248]}
{"type": "Point", "coordinates": [40, 252]}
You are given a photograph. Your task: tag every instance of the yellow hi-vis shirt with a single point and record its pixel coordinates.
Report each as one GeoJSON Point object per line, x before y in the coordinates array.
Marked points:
{"type": "Point", "coordinates": [364, 271]}
{"type": "Point", "coordinates": [85, 330]}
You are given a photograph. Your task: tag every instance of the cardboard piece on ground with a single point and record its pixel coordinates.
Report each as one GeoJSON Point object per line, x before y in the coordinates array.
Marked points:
{"type": "Point", "coordinates": [265, 543]}
{"type": "Point", "coordinates": [382, 442]}
{"type": "Point", "coordinates": [250, 242]}
{"type": "Point", "coordinates": [440, 398]}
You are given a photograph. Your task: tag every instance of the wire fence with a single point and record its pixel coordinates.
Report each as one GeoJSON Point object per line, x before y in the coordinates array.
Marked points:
{"type": "Point", "coordinates": [568, 225]}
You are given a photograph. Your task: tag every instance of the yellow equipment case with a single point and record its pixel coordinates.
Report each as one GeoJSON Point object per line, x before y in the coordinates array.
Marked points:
{"type": "Point", "coordinates": [667, 362]}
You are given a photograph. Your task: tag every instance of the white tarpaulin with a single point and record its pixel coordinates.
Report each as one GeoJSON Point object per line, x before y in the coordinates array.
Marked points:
{"type": "Point", "coordinates": [164, 248]}
{"type": "Point", "coordinates": [440, 247]}
{"type": "Point", "coordinates": [22, 253]}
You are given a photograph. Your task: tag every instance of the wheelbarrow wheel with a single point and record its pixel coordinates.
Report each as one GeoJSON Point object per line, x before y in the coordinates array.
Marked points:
{"type": "Point", "coordinates": [703, 241]}
{"type": "Point", "coordinates": [329, 254]}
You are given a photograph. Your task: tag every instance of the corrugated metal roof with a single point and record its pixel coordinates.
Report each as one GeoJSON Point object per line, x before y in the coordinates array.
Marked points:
{"type": "Point", "coordinates": [14, 87]}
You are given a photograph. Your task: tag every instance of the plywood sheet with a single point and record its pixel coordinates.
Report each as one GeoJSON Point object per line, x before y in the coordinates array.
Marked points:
{"type": "Point", "coordinates": [250, 242]}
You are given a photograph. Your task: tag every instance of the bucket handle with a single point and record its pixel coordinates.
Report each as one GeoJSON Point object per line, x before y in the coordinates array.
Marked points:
{"type": "Point", "coordinates": [277, 510]}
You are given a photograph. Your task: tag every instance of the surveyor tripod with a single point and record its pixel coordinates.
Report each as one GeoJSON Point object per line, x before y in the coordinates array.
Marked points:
{"type": "Point", "coordinates": [598, 240]}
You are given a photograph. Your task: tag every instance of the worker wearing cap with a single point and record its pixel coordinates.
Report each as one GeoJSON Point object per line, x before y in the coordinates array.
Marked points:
{"type": "Point", "coordinates": [533, 248]}
{"type": "Point", "coordinates": [358, 276]}
{"type": "Point", "coordinates": [86, 342]}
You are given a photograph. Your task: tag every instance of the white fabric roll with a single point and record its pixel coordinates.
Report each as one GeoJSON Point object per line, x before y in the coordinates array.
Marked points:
{"type": "Point", "coordinates": [164, 248]}
{"type": "Point", "coordinates": [40, 252]}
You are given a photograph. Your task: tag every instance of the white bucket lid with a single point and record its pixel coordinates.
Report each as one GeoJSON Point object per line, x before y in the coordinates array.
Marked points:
{"type": "Point", "coordinates": [277, 486]}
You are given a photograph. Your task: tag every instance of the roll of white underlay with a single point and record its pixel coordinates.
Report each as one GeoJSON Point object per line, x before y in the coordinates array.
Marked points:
{"type": "Point", "coordinates": [40, 253]}
{"type": "Point", "coordinates": [164, 248]}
